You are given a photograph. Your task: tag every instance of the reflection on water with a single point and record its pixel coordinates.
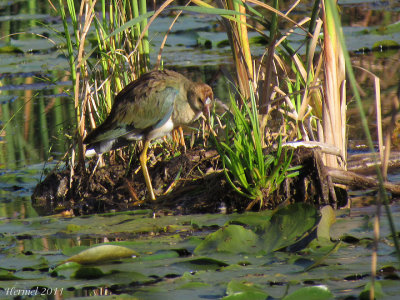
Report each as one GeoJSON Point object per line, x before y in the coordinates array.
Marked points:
{"type": "Point", "coordinates": [36, 121]}
{"type": "Point", "coordinates": [386, 68]}
{"type": "Point", "coordinates": [16, 187]}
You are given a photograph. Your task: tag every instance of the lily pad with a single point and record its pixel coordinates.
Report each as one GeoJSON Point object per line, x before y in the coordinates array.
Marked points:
{"type": "Point", "coordinates": [289, 225]}
{"type": "Point", "coordinates": [378, 293]}
{"type": "Point", "coordinates": [10, 49]}
{"type": "Point", "coordinates": [231, 238]}
{"type": "Point", "coordinates": [203, 263]}
{"type": "Point", "coordinates": [244, 290]}
{"type": "Point", "coordinates": [88, 273]}
{"type": "Point", "coordinates": [6, 275]}
{"type": "Point", "coordinates": [328, 217]}
{"type": "Point", "coordinates": [101, 254]}
{"type": "Point", "coordinates": [310, 293]}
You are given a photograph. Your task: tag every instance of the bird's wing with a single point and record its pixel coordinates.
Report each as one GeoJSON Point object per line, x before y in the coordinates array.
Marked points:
{"type": "Point", "coordinates": [134, 119]}
{"type": "Point", "coordinates": [108, 131]}
{"type": "Point", "coordinates": [153, 111]}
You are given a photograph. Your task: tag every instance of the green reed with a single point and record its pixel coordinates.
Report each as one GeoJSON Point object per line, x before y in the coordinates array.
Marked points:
{"type": "Point", "coordinates": [117, 28]}
{"type": "Point", "coordinates": [249, 170]}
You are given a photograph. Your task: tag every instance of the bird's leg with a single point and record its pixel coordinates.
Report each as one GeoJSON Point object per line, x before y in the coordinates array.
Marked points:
{"type": "Point", "coordinates": [143, 163]}
{"type": "Point", "coordinates": [182, 138]}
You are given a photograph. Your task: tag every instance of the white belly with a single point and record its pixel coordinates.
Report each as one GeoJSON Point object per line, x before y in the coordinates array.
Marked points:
{"type": "Point", "coordinates": [161, 131]}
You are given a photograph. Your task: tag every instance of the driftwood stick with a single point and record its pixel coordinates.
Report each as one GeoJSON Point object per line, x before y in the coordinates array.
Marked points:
{"type": "Point", "coordinates": [353, 179]}
{"type": "Point", "coordinates": [364, 163]}
{"type": "Point", "coordinates": [325, 148]}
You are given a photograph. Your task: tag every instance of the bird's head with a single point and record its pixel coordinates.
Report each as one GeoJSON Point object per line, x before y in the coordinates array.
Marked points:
{"type": "Point", "coordinates": [201, 98]}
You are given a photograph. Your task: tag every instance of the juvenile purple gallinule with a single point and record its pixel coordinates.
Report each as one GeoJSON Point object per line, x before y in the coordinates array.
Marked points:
{"type": "Point", "coordinates": [149, 108]}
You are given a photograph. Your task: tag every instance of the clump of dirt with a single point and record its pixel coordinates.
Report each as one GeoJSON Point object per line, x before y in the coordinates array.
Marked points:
{"type": "Point", "coordinates": [189, 183]}
{"type": "Point", "coordinates": [193, 182]}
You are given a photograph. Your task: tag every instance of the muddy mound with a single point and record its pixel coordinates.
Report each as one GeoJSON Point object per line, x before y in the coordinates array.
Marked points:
{"type": "Point", "coordinates": [189, 183]}
{"type": "Point", "coordinates": [193, 182]}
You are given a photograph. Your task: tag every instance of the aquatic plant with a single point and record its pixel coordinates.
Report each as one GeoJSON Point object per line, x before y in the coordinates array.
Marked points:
{"type": "Point", "coordinates": [118, 30]}
{"type": "Point", "coordinates": [249, 170]}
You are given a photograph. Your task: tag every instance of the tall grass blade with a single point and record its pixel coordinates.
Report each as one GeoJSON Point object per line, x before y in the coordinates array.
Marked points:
{"type": "Point", "coordinates": [364, 122]}
{"type": "Point", "coordinates": [333, 120]}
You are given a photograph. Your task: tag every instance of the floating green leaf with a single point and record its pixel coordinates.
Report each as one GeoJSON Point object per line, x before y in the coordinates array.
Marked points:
{"type": "Point", "coordinates": [88, 273]}
{"type": "Point", "coordinates": [378, 293]}
{"type": "Point", "coordinates": [6, 275]}
{"type": "Point", "coordinates": [389, 29]}
{"type": "Point", "coordinates": [256, 221]}
{"type": "Point", "coordinates": [385, 48]}
{"type": "Point", "coordinates": [202, 263]}
{"type": "Point", "coordinates": [10, 49]}
{"type": "Point", "coordinates": [231, 238]}
{"type": "Point", "coordinates": [310, 293]}
{"type": "Point", "coordinates": [244, 290]}
{"type": "Point", "coordinates": [101, 254]}
{"type": "Point", "coordinates": [289, 225]}
{"type": "Point", "coordinates": [65, 270]}
{"type": "Point", "coordinates": [328, 217]}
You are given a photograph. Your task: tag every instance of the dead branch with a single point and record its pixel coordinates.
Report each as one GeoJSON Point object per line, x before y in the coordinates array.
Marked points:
{"type": "Point", "coordinates": [355, 180]}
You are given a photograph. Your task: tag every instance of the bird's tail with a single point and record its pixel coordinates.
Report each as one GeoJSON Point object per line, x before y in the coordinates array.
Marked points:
{"type": "Point", "coordinates": [105, 146]}
{"type": "Point", "coordinates": [104, 139]}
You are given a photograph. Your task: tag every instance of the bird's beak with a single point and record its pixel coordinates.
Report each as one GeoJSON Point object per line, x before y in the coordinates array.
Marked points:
{"type": "Point", "coordinates": [207, 107]}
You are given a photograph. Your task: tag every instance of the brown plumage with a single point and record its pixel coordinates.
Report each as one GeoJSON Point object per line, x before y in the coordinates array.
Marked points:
{"type": "Point", "coordinates": [148, 108]}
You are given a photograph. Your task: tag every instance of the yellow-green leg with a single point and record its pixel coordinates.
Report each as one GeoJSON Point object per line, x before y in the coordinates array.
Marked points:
{"type": "Point", "coordinates": [182, 138]}
{"type": "Point", "coordinates": [143, 163]}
